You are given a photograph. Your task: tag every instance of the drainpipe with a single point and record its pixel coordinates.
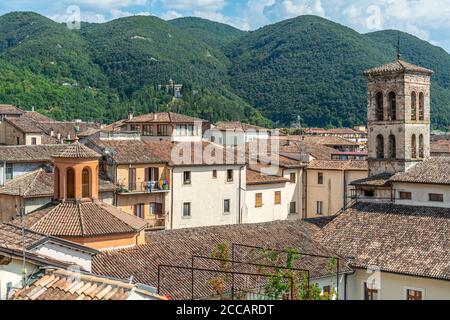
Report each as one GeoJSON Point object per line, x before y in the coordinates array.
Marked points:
{"type": "Point", "coordinates": [305, 193]}
{"type": "Point", "coordinates": [171, 199]}
{"type": "Point", "coordinates": [240, 196]}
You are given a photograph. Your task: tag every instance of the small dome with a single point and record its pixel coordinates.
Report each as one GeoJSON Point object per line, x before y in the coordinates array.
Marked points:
{"type": "Point", "coordinates": [77, 151]}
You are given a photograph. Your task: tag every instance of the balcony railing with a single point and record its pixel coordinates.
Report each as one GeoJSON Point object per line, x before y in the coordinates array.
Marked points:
{"type": "Point", "coordinates": [146, 187]}
{"type": "Point", "coordinates": [157, 222]}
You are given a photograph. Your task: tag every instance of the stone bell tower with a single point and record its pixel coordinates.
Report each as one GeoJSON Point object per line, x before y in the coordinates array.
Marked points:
{"type": "Point", "coordinates": [398, 100]}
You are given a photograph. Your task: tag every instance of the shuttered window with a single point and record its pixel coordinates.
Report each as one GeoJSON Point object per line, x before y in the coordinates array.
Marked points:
{"type": "Point", "coordinates": [258, 200]}
{"type": "Point", "coordinates": [277, 197]}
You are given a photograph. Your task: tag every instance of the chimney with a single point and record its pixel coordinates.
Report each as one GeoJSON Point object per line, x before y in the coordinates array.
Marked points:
{"type": "Point", "coordinates": [32, 108]}
{"type": "Point", "coordinates": [130, 115]}
{"type": "Point", "coordinates": [58, 136]}
{"type": "Point", "coordinates": [155, 116]}
{"type": "Point", "coordinates": [52, 133]}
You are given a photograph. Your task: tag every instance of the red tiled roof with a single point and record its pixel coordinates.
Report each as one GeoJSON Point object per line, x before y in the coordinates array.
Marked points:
{"type": "Point", "coordinates": [77, 150]}
{"type": "Point", "coordinates": [357, 165]}
{"type": "Point", "coordinates": [8, 109]}
{"type": "Point", "coordinates": [258, 178]}
{"type": "Point", "coordinates": [164, 117]}
{"type": "Point", "coordinates": [397, 67]}
{"type": "Point", "coordinates": [84, 219]}
{"type": "Point", "coordinates": [236, 125]}
{"type": "Point", "coordinates": [65, 285]}
{"type": "Point", "coordinates": [409, 240]}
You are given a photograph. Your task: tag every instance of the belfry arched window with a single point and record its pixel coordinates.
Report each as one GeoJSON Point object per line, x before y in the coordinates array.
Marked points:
{"type": "Point", "coordinates": [70, 184]}
{"type": "Point", "coordinates": [392, 99]}
{"type": "Point", "coordinates": [86, 183]}
{"type": "Point", "coordinates": [421, 147]}
{"type": "Point", "coordinates": [413, 106]}
{"type": "Point", "coordinates": [413, 147]}
{"type": "Point", "coordinates": [380, 147]}
{"type": "Point", "coordinates": [379, 110]}
{"type": "Point", "coordinates": [421, 107]}
{"type": "Point", "coordinates": [392, 147]}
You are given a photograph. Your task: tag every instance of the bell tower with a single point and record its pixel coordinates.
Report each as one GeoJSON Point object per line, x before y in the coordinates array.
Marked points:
{"type": "Point", "coordinates": [398, 102]}
{"type": "Point", "coordinates": [76, 174]}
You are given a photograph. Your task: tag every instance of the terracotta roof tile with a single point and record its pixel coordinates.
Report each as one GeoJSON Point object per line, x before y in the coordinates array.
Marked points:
{"type": "Point", "coordinates": [177, 247]}
{"type": "Point", "coordinates": [397, 67]}
{"type": "Point", "coordinates": [379, 180]}
{"type": "Point", "coordinates": [60, 284]}
{"type": "Point", "coordinates": [441, 147]}
{"type": "Point", "coordinates": [35, 153]}
{"type": "Point", "coordinates": [341, 165]}
{"type": "Point", "coordinates": [237, 126]}
{"type": "Point", "coordinates": [77, 150]}
{"type": "Point", "coordinates": [24, 124]}
{"type": "Point", "coordinates": [85, 219]}
{"type": "Point", "coordinates": [409, 240]}
{"type": "Point", "coordinates": [31, 185]}
{"type": "Point", "coordinates": [8, 109]}
{"type": "Point", "coordinates": [433, 171]}
{"type": "Point", "coordinates": [164, 117]}
{"type": "Point", "coordinates": [258, 178]}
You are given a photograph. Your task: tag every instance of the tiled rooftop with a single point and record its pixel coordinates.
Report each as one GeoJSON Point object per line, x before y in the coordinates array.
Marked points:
{"type": "Point", "coordinates": [236, 125]}
{"type": "Point", "coordinates": [433, 171]}
{"type": "Point", "coordinates": [77, 150]}
{"type": "Point", "coordinates": [164, 117]}
{"type": "Point", "coordinates": [258, 178]}
{"type": "Point", "coordinates": [408, 240]}
{"type": "Point", "coordinates": [84, 219]}
{"type": "Point", "coordinates": [341, 165]}
{"type": "Point", "coordinates": [397, 67]}
{"type": "Point", "coordinates": [60, 284]}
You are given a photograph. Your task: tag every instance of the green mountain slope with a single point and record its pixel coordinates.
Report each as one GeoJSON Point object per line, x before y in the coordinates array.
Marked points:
{"type": "Point", "coordinates": [307, 66]}
{"type": "Point", "coordinates": [312, 67]}
{"type": "Point", "coordinates": [47, 48]}
{"type": "Point", "coordinates": [215, 34]}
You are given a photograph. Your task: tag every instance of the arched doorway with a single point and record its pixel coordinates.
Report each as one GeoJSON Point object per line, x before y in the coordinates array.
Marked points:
{"type": "Point", "coordinates": [70, 184]}
{"type": "Point", "coordinates": [86, 183]}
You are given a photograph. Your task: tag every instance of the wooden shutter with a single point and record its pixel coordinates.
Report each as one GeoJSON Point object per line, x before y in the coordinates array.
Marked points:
{"type": "Point", "coordinates": [277, 197]}
{"type": "Point", "coordinates": [258, 200]}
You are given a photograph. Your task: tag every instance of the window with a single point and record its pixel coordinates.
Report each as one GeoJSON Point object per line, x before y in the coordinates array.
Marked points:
{"type": "Point", "coordinates": [369, 194]}
{"type": "Point", "coordinates": [132, 179]}
{"type": "Point", "coordinates": [320, 178]}
{"type": "Point", "coordinates": [370, 294]}
{"type": "Point", "coordinates": [380, 147]}
{"type": "Point", "coordinates": [182, 129]}
{"type": "Point", "coordinates": [226, 206]}
{"type": "Point", "coordinates": [293, 208]}
{"type": "Point", "coordinates": [379, 112]}
{"type": "Point", "coordinates": [163, 130]}
{"type": "Point", "coordinates": [214, 174]}
{"type": "Point", "coordinates": [392, 147]}
{"type": "Point", "coordinates": [187, 209]}
{"type": "Point", "coordinates": [33, 141]}
{"type": "Point", "coordinates": [413, 106]}
{"type": "Point", "coordinates": [70, 182]}
{"type": "Point", "coordinates": [258, 200]}
{"type": "Point", "coordinates": [17, 140]}
{"type": "Point", "coordinates": [392, 106]}
{"type": "Point", "coordinates": [230, 175]}
{"type": "Point", "coordinates": [152, 174]}
{"type": "Point", "coordinates": [293, 177]}
{"type": "Point", "coordinates": [138, 210]}
{"type": "Point", "coordinates": [86, 186]}
{"type": "Point", "coordinates": [187, 177]}
{"type": "Point", "coordinates": [319, 208]}
{"type": "Point", "coordinates": [421, 147]}
{"type": "Point", "coordinates": [413, 147]}
{"type": "Point", "coordinates": [191, 130]}
{"type": "Point", "coordinates": [434, 197]}
{"type": "Point", "coordinates": [414, 294]}
{"type": "Point", "coordinates": [9, 171]}
{"type": "Point", "coordinates": [147, 130]}
{"type": "Point", "coordinates": [405, 195]}
{"type": "Point", "coordinates": [277, 197]}
{"type": "Point", "coordinates": [421, 107]}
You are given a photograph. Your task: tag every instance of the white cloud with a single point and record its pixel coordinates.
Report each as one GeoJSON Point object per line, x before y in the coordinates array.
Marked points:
{"type": "Point", "coordinates": [189, 5]}
{"type": "Point", "coordinates": [285, 9]}
{"type": "Point", "coordinates": [171, 14]}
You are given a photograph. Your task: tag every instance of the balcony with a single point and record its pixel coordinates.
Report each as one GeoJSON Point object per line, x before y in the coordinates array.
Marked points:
{"type": "Point", "coordinates": [161, 186]}
{"type": "Point", "coordinates": [157, 222]}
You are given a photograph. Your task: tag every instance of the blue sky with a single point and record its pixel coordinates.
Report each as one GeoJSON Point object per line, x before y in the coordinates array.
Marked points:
{"type": "Point", "coordinates": [427, 19]}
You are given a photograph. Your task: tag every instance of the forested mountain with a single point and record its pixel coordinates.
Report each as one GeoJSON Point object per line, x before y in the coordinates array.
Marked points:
{"type": "Point", "coordinates": [307, 66]}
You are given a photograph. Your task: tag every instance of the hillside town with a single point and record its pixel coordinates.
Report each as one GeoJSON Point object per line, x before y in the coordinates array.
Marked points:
{"type": "Point", "coordinates": [166, 206]}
